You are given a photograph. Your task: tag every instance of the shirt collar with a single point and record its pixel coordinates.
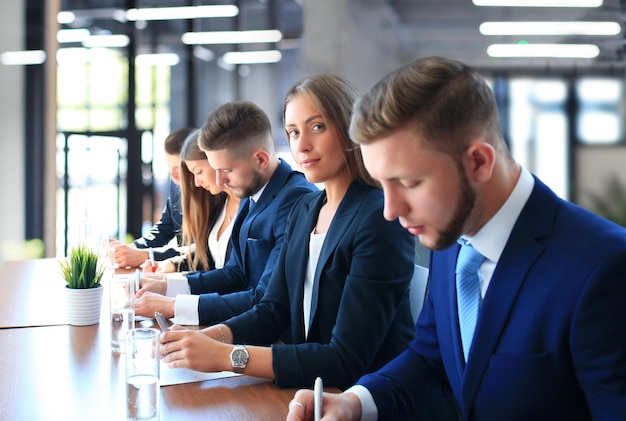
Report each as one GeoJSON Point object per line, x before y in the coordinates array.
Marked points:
{"type": "Point", "coordinates": [492, 237]}
{"type": "Point", "coordinates": [256, 196]}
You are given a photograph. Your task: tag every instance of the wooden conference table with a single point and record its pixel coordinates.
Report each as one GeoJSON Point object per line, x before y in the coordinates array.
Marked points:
{"type": "Point", "coordinates": [52, 371]}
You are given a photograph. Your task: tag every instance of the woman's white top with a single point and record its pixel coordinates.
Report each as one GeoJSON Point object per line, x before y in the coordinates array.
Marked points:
{"type": "Point", "coordinates": [315, 246]}
{"type": "Point", "coordinates": [218, 246]}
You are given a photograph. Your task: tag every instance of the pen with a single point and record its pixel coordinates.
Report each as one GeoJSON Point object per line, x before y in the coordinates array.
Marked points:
{"type": "Point", "coordinates": [137, 280]}
{"type": "Point", "coordinates": [318, 388]}
{"type": "Point", "coordinates": [151, 258]}
{"type": "Point", "coordinates": [161, 321]}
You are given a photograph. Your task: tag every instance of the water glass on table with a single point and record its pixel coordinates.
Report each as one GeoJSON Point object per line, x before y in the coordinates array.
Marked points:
{"type": "Point", "coordinates": [122, 298]}
{"type": "Point", "coordinates": [142, 374]}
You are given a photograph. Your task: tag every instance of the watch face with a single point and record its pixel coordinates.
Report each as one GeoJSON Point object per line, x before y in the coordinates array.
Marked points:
{"type": "Point", "coordinates": [240, 357]}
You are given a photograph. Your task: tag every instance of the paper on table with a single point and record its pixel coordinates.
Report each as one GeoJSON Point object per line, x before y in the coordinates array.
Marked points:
{"type": "Point", "coordinates": [172, 376]}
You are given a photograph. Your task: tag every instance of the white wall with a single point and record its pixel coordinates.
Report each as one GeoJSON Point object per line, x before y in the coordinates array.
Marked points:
{"type": "Point", "coordinates": [11, 132]}
{"type": "Point", "coordinates": [595, 166]}
{"type": "Point", "coordinates": [353, 39]}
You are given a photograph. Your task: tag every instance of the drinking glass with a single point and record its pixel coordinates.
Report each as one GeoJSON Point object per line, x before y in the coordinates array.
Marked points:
{"type": "Point", "coordinates": [142, 374]}
{"type": "Point", "coordinates": [122, 298]}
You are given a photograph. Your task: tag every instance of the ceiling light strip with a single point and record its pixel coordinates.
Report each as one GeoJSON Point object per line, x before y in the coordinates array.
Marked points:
{"type": "Point", "coordinates": [184, 12]}
{"type": "Point", "coordinates": [106, 41]}
{"type": "Point", "coordinates": [544, 50]}
{"type": "Point", "coordinates": [232, 37]}
{"type": "Point", "coordinates": [550, 28]}
{"type": "Point", "coordinates": [252, 57]}
{"type": "Point", "coordinates": [539, 3]}
{"type": "Point", "coordinates": [23, 58]}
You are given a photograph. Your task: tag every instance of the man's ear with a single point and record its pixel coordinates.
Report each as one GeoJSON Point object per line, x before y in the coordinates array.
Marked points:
{"type": "Point", "coordinates": [480, 159]}
{"type": "Point", "coordinates": [262, 158]}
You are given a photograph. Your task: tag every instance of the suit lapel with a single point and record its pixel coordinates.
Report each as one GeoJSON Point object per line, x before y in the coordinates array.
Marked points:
{"type": "Point", "coordinates": [299, 256]}
{"type": "Point", "coordinates": [246, 215]}
{"type": "Point", "coordinates": [341, 222]}
{"type": "Point", "coordinates": [521, 251]}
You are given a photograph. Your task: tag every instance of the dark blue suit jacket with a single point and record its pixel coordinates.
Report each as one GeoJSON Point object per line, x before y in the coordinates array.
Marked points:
{"type": "Point", "coordinates": [256, 239]}
{"type": "Point", "coordinates": [360, 314]}
{"type": "Point", "coordinates": [550, 341]}
{"type": "Point", "coordinates": [169, 226]}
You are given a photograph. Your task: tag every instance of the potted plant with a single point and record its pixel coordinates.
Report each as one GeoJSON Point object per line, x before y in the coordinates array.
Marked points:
{"type": "Point", "coordinates": [83, 271]}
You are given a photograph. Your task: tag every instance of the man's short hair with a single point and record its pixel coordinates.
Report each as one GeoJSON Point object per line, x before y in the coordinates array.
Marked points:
{"type": "Point", "coordinates": [173, 143]}
{"type": "Point", "coordinates": [239, 126]}
{"type": "Point", "coordinates": [445, 102]}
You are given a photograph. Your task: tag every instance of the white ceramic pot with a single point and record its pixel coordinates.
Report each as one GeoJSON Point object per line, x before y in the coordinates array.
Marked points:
{"type": "Point", "coordinates": [83, 305]}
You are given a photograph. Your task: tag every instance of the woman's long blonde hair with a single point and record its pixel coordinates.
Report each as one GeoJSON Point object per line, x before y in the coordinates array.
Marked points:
{"type": "Point", "coordinates": [200, 207]}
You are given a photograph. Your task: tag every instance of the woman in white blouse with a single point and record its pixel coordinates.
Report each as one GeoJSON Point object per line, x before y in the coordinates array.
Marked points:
{"type": "Point", "coordinates": [208, 213]}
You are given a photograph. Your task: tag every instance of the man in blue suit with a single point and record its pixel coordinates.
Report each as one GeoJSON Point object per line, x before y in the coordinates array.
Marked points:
{"type": "Point", "coordinates": [238, 143]}
{"type": "Point", "coordinates": [549, 341]}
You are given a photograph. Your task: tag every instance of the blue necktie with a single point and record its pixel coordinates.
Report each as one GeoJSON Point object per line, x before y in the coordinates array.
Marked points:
{"type": "Point", "coordinates": [468, 292]}
{"type": "Point", "coordinates": [251, 204]}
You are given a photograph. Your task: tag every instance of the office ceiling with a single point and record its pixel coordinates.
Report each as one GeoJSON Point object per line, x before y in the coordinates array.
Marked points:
{"type": "Point", "coordinates": [450, 28]}
{"type": "Point", "coordinates": [425, 27]}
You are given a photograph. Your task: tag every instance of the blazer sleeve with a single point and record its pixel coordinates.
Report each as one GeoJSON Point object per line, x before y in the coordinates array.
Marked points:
{"type": "Point", "coordinates": [398, 395]}
{"type": "Point", "coordinates": [168, 227]}
{"type": "Point", "coordinates": [215, 308]}
{"type": "Point", "coordinates": [394, 388]}
{"type": "Point", "coordinates": [229, 278]}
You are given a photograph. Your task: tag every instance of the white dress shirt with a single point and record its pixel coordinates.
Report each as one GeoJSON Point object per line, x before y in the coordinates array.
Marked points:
{"type": "Point", "coordinates": [315, 246]}
{"type": "Point", "coordinates": [218, 246]}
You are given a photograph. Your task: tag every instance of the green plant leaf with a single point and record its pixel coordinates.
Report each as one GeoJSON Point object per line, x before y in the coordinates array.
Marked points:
{"type": "Point", "coordinates": [82, 268]}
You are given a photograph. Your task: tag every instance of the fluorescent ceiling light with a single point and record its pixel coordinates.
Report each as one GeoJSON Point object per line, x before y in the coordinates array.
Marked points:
{"type": "Point", "coordinates": [66, 17]}
{"type": "Point", "coordinates": [72, 35]}
{"type": "Point", "coordinates": [106, 41]}
{"type": "Point", "coordinates": [157, 59]}
{"type": "Point", "coordinates": [203, 53]}
{"type": "Point", "coordinates": [185, 12]}
{"type": "Point", "coordinates": [544, 50]}
{"type": "Point", "coordinates": [23, 58]}
{"type": "Point", "coordinates": [539, 3]}
{"type": "Point", "coordinates": [232, 37]}
{"type": "Point", "coordinates": [252, 57]}
{"type": "Point", "coordinates": [550, 28]}
{"type": "Point", "coordinates": [84, 16]}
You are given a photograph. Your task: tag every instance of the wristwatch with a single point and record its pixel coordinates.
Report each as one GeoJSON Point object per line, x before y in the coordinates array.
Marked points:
{"type": "Point", "coordinates": [239, 358]}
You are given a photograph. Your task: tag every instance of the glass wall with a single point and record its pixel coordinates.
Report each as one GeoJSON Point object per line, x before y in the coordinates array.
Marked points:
{"type": "Point", "coordinates": [538, 129]}
{"type": "Point", "coordinates": [91, 147]}
{"type": "Point", "coordinates": [599, 119]}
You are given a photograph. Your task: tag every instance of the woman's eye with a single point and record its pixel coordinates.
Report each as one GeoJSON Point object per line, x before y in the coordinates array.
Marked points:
{"type": "Point", "coordinates": [409, 184]}
{"type": "Point", "coordinates": [318, 127]}
{"type": "Point", "coordinates": [292, 133]}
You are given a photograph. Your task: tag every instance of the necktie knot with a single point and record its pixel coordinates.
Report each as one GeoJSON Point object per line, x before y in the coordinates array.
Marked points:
{"type": "Point", "coordinates": [469, 260]}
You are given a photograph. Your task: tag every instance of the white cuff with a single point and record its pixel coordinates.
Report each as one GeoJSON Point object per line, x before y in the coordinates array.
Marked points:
{"type": "Point", "coordinates": [186, 310]}
{"type": "Point", "coordinates": [176, 284]}
{"type": "Point", "coordinates": [369, 411]}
